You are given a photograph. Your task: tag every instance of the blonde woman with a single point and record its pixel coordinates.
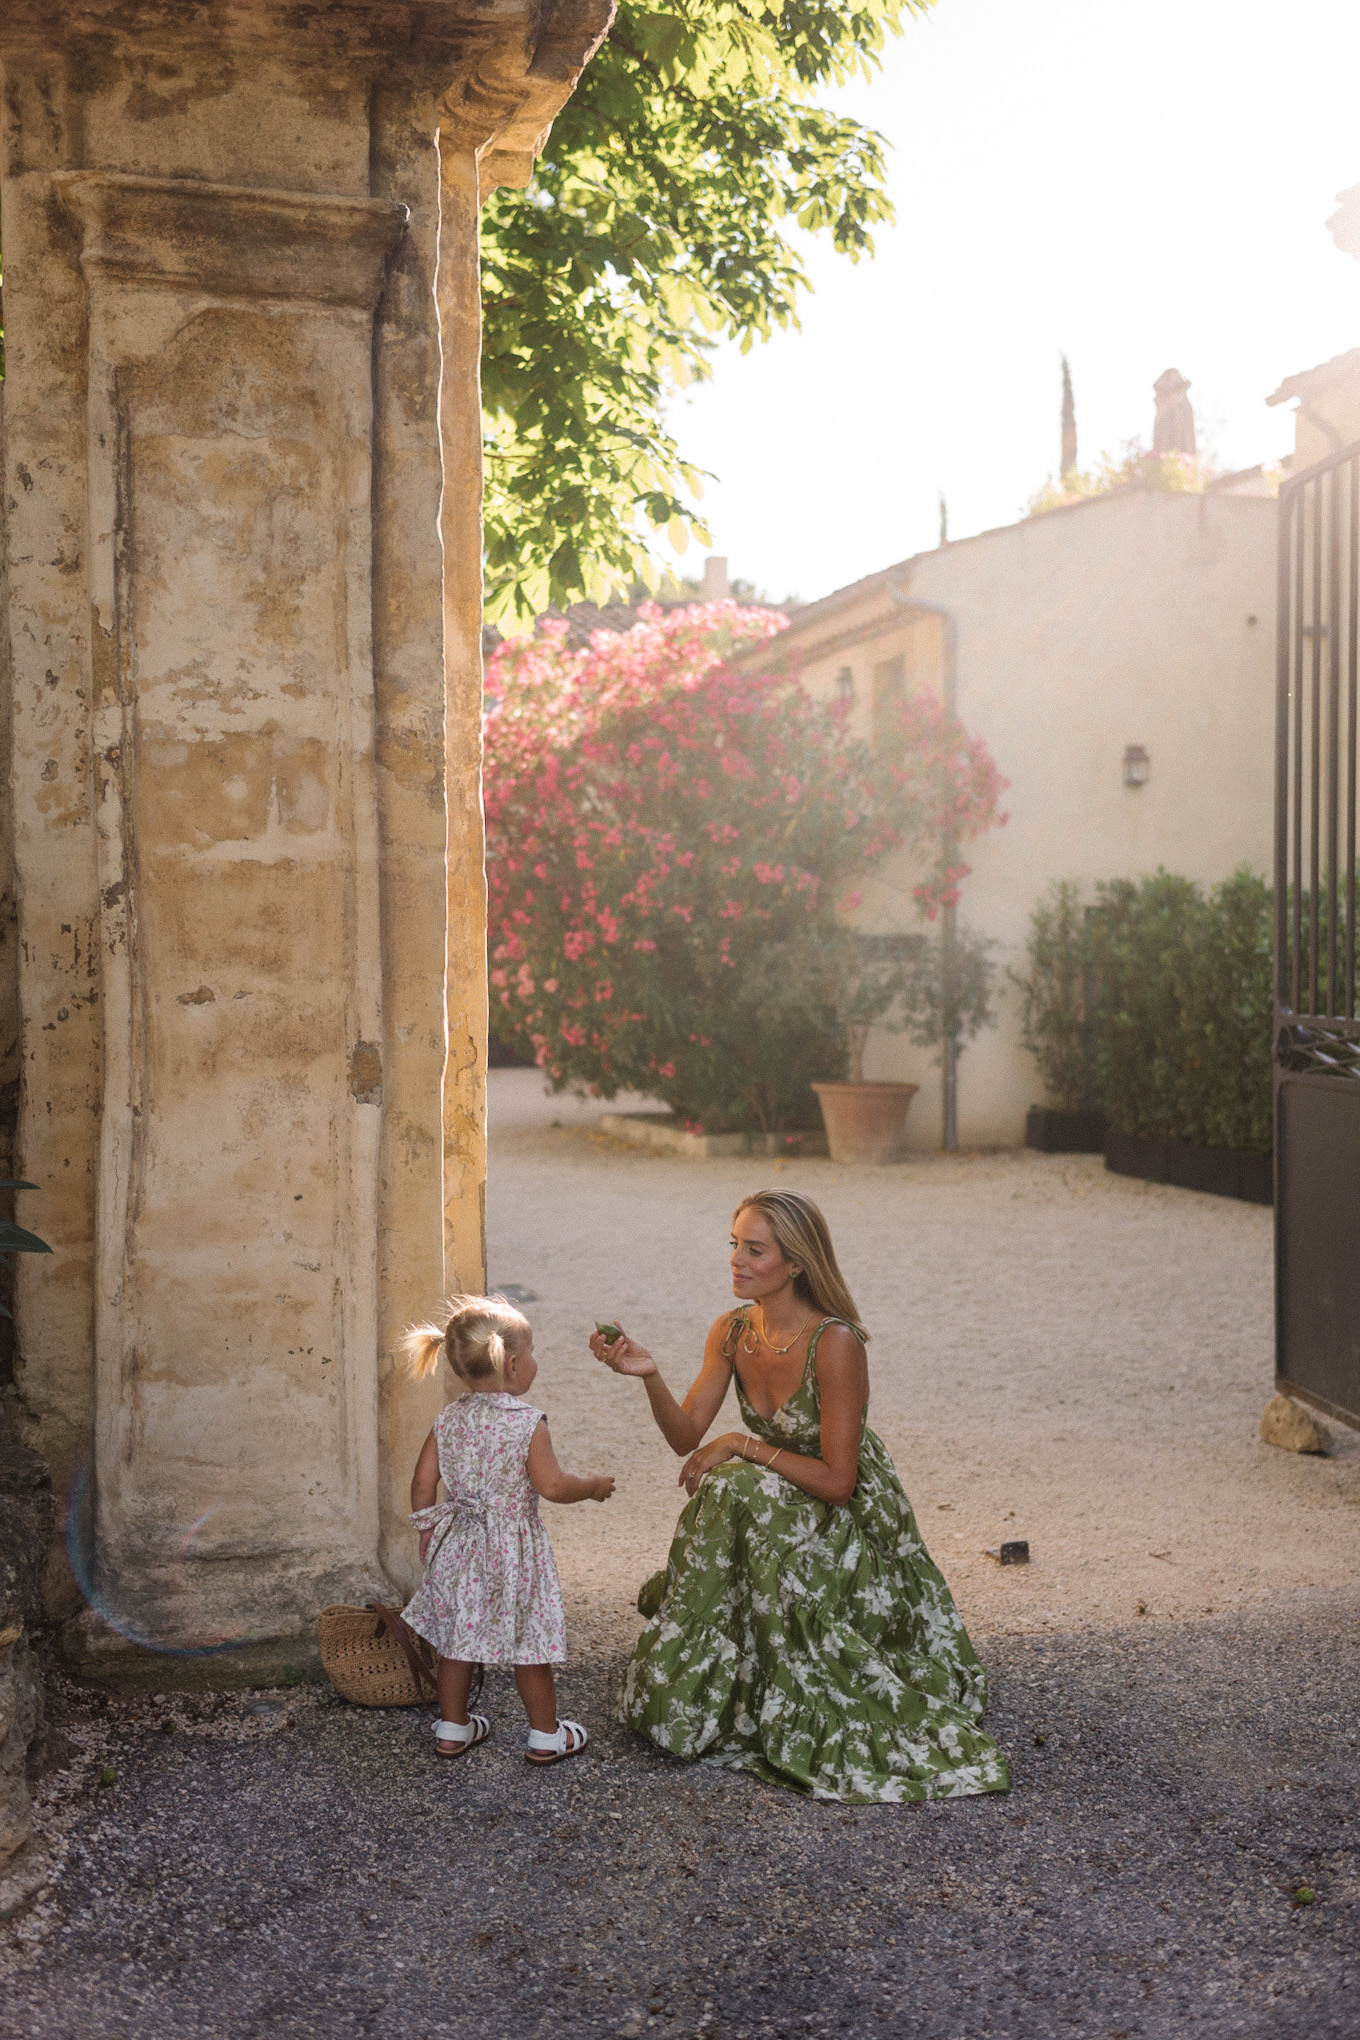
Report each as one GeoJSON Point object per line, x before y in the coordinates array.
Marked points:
{"type": "Point", "coordinates": [800, 1630]}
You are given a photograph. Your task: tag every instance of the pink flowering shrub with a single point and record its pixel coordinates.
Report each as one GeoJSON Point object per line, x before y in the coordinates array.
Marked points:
{"type": "Point", "coordinates": [667, 843]}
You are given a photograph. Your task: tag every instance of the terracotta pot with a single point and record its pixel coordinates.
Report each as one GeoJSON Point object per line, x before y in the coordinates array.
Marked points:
{"type": "Point", "coordinates": [865, 1122]}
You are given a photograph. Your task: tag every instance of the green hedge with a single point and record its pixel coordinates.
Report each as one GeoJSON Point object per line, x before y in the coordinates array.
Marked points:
{"type": "Point", "coordinates": [1152, 1003]}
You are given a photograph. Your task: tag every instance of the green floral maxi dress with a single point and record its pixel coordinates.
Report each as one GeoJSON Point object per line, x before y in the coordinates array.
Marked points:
{"type": "Point", "coordinates": [816, 1646]}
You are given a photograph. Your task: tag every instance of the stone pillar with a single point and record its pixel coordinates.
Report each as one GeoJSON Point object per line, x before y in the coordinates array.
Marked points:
{"type": "Point", "coordinates": [242, 561]}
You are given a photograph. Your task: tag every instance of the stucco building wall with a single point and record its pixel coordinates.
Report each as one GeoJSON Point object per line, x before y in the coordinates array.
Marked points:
{"type": "Point", "coordinates": [1143, 618]}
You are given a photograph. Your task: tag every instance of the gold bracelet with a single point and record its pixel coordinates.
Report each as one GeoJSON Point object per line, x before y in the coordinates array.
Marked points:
{"type": "Point", "coordinates": [769, 1463]}
{"type": "Point", "coordinates": [745, 1449]}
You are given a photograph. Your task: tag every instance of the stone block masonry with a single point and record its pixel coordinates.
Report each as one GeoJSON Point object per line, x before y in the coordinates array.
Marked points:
{"type": "Point", "coordinates": [241, 635]}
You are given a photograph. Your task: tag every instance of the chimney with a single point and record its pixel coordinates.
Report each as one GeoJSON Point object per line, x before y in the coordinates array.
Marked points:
{"type": "Point", "coordinates": [1173, 428]}
{"type": "Point", "coordinates": [716, 588]}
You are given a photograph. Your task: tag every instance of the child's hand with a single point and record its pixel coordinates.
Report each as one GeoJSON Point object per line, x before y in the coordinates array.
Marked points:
{"type": "Point", "coordinates": [425, 1537]}
{"type": "Point", "coordinates": [601, 1486]}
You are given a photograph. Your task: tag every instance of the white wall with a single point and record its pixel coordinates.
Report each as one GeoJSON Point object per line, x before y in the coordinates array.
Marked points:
{"type": "Point", "coordinates": [1145, 618]}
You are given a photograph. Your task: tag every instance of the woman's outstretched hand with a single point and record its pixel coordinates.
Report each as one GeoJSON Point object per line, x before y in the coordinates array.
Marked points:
{"type": "Point", "coordinates": [729, 1446]}
{"type": "Point", "coordinates": [625, 1355]}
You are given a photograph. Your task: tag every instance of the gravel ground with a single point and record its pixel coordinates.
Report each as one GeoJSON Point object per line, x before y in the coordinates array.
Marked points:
{"type": "Point", "coordinates": [1059, 1354]}
{"type": "Point", "coordinates": [316, 1871]}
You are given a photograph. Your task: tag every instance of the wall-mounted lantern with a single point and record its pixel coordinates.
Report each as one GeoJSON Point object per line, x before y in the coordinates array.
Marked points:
{"type": "Point", "coordinates": [1137, 765]}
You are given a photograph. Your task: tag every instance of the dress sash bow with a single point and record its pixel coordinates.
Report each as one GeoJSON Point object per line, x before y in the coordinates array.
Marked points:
{"type": "Point", "coordinates": [442, 1516]}
{"type": "Point", "coordinates": [483, 1506]}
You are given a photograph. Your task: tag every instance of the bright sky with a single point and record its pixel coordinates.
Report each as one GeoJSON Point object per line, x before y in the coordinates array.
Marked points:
{"type": "Point", "coordinates": [1137, 186]}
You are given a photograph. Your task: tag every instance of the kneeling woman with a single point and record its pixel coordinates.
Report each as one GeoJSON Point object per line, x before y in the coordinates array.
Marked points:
{"type": "Point", "coordinates": [800, 1630]}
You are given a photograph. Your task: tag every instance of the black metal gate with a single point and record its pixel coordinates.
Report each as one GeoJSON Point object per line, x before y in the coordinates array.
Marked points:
{"type": "Point", "coordinates": [1317, 1036]}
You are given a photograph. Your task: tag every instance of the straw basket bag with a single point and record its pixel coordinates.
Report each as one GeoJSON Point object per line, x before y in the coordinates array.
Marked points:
{"type": "Point", "coordinates": [370, 1656]}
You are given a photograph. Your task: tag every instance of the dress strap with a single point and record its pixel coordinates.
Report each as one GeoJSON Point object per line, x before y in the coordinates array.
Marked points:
{"type": "Point", "coordinates": [737, 1320]}
{"type": "Point", "coordinates": [850, 1326]}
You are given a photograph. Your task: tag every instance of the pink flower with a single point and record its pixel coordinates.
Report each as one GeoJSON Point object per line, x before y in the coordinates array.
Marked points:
{"type": "Point", "coordinates": [641, 783]}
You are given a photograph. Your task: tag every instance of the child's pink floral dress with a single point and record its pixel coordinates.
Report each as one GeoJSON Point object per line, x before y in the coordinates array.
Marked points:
{"type": "Point", "coordinates": [490, 1594]}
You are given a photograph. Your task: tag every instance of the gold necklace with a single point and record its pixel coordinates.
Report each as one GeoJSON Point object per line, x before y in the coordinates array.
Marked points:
{"type": "Point", "coordinates": [792, 1342]}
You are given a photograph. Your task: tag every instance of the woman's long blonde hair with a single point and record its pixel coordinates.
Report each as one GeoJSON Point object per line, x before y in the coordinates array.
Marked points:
{"type": "Point", "coordinates": [473, 1339]}
{"type": "Point", "coordinates": [804, 1237]}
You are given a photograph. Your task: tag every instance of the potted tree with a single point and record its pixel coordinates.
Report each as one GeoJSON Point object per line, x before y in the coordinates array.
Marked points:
{"type": "Point", "coordinates": [936, 991]}
{"type": "Point", "coordinates": [866, 1120]}
{"type": "Point", "coordinates": [1057, 1024]}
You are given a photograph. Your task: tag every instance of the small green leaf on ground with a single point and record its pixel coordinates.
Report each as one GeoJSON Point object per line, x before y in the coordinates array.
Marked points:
{"type": "Point", "coordinates": [108, 1776]}
{"type": "Point", "coordinates": [1304, 1894]}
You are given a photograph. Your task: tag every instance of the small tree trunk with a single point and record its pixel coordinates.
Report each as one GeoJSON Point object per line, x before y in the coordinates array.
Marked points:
{"type": "Point", "coordinates": [857, 1038]}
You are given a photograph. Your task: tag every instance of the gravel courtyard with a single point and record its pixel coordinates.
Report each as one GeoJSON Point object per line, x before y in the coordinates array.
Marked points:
{"type": "Point", "coordinates": [1058, 1355]}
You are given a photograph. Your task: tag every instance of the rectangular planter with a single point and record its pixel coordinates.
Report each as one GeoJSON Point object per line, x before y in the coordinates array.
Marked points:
{"type": "Point", "coordinates": [1219, 1172]}
{"type": "Point", "coordinates": [659, 1131]}
{"type": "Point", "coordinates": [1055, 1132]}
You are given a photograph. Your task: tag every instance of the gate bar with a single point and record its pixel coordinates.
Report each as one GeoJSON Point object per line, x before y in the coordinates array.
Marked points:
{"type": "Point", "coordinates": [1295, 682]}
{"type": "Point", "coordinates": [1353, 640]}
{"type": "Point", "coordinates": [1283, 645]}
{"type": "Point", "coordinates": [1315, 765]}
{"type": "Point", "coordinates": [1333, 738]}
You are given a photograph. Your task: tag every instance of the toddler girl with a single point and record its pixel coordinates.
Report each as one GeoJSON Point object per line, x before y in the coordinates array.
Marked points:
{"type": "Point", "coordinates": [490, 1594]}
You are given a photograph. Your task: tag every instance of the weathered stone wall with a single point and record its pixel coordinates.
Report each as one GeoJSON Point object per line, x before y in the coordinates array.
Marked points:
{"type": "Point", "coordinates": [9, 949]}
{"type": "Point", "coordinates": [26, 1520]}
{"type": "Point", "coordinates": [242, 492]}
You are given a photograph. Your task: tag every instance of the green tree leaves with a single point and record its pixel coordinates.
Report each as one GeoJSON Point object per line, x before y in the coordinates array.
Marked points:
{"type": "Point", "coordinates": [670, 842]}
{"type": "Point", "coordinates": [1155, 1003]}
{"type": "Point", "coordinates": [1056, 1023]}
{"type": "Point", "coordinates": [658, 221]}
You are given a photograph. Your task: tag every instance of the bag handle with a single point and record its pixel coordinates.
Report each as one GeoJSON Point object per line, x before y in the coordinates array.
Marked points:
{"type": "Point", "coordinates": [416, 1649]}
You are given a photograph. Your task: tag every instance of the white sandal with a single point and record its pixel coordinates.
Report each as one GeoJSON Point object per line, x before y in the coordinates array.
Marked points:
{"type": "Point", "coordinates": [568, 1739]}
{"type": "Point", "coordinates": [456, 1738]}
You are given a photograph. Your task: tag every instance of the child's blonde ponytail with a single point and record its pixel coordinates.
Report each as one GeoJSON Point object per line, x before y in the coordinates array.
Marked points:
{"type": "Point", "coordinates": [474, 1338]}
{"type": "Point", "coordinates": [422, 1346]}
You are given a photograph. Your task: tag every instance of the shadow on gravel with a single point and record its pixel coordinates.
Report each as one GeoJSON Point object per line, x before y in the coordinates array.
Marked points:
{"type": "Point", "coordinates": [1174, 1789]}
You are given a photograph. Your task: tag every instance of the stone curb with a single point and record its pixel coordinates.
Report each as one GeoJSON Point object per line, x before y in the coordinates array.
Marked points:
{"type": "Point", "coordinates": [660, 1132]}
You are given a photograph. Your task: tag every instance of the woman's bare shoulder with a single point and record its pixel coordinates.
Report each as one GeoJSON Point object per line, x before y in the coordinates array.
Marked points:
{"type": "Point", "coordinates": [839, 1347]}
